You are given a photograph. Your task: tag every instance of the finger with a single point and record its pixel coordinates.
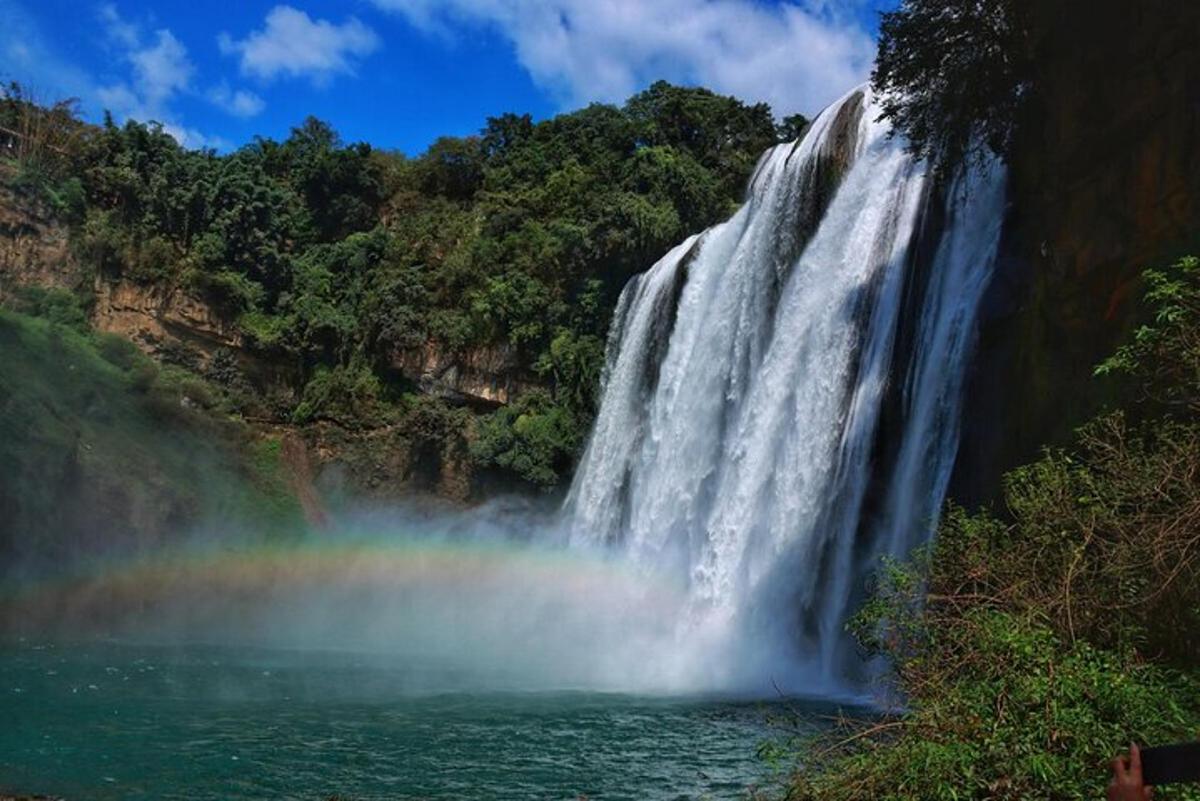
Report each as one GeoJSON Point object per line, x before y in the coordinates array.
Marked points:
{"type": "Point", "coordinates": [1135, 762]}
{"type": "Point", "coordinates": [1118, 767]}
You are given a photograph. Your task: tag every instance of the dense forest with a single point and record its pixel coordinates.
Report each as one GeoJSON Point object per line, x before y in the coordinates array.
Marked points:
{"type": "Point", "coordinates": [334, 259]}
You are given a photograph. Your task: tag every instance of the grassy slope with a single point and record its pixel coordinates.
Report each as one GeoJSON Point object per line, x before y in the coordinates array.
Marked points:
{"type": "Point", "coordinates": [100, 448]}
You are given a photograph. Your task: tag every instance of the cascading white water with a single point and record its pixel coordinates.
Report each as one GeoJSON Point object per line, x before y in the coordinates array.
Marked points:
{"type": "Point", "coordinates": [737, 437]}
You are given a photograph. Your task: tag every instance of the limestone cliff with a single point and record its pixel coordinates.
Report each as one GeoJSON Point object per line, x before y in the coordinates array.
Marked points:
{"type": "Point", "coordinates": [484, 376]}
{"type": "Point", "coordinates": [34, 247]}
{"type": "Point", "coordinates": [1105, 181]}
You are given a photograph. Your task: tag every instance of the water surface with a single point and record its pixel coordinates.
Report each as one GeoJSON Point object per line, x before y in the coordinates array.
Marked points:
{"type": "Point", "coordinates": [124, 721]}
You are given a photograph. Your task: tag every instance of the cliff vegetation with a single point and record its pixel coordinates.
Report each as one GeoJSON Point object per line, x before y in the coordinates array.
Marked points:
{"type": "Point", "coordinates": [461, 295]}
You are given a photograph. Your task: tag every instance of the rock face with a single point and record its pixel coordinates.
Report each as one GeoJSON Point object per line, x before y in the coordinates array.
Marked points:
{"type": "Point", "coordinates": [34, 248]}
{"type": "Point", "coordinates": [157, 318]}
{"type": "Point", "coordinates": [1105, 181]}
{"type": "Point", "coordinates": [482, 377]}
{"type": "Point", "coordinates": [384, 462]}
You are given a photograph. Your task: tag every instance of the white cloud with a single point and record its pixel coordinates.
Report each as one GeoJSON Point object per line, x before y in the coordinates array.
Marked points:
{"type": "Point", "coordinates": [161, 70]}
{"type": "Point", "coordinates": [239, 103]}
{"type": "Point", "coordinates": [293, 44]}
{"type": "Point", "coordinates": [796, 57]}
{"type": "Point", "coordinates": [122, 32]}
{"type": "Point", "coordinates": [147, 74]}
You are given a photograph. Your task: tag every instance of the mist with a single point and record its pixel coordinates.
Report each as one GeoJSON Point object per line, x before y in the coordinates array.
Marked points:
{"type": "Point", "coordinates": [441, 599]}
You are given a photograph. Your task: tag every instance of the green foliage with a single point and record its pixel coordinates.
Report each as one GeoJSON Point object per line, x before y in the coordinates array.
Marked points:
{"type": "Point", "coordinates": [276, 507]}
{"type": "Point", "coordinates": [348, 395]}
{"type": "Point", "coordinates": [1164, 354]}
{"type": "Point", "coordinates": [951, 75]}
{"type": "Point", "coordinates": [432, 425]}
{"type": "Point", "coordinates": [1001, 707]}
{"type": "Point", "coordinates": [233, 291]}
{"type": "Point", "coordinates": [535, 438]}
{"type": "Point", "coordinates": [119, 352]}
{"type": "Point", "coordinates": [342, 261]}
{"type": "Point", "coordinates": [341, 186]}
{"type": "Point", "coordinates": [715, 130]}
{"type": "Point", "coordinates": [57, 306]}
{"type": "Point", "coordinates": [574, 363]}
{"type": "Point", "coordinates": [1033, 644]}
{"type": "Point", "coordinates": [452, 168]}
{"type": "Point", "coordinates": [43, 144]}
{"type": "Point", "coordinates": [791, 127]}
{"type": "Point", "coordinates": [263, 331]}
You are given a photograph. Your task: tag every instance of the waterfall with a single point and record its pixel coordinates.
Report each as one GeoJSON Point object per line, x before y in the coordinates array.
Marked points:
{"type": "Point", "coordinates": [738, 444]}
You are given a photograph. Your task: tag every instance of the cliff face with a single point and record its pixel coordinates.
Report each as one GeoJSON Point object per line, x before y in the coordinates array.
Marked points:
{"type": "Point", "coordinates": [157, 318]}
{"type": "Point", "coordinates": [1105, 181]}
{"type": "Point", "coordinates": [34, 248]}
{"type": "Point", "coordinates": [481, 377]}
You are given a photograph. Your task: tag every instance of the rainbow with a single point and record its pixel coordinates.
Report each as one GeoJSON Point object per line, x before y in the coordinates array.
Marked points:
{"type": "Point", "coordinates": [110, 589]}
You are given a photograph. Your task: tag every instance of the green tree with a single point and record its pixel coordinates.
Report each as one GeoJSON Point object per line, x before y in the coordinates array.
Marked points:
{"type": "Point", "coordinates": [338, 259]}
{"type": "Point", "coordinates": [535, 438]}
{"type": "Point", "coordinates": [791, 127]}
{"type": "Point", "coordinates": [951, 75]}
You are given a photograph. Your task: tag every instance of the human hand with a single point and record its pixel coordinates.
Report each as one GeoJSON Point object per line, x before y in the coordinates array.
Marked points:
{"type": "Point", "coordinates": [1127, 783]}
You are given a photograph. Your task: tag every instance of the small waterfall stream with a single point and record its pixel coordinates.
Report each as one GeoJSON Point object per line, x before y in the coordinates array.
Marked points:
{"type": "Point", "coordinates": [738, 441]}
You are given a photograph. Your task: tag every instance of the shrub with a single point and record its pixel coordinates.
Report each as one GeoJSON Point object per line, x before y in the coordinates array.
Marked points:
{"type": "Point", "coordinates": [1163, 355]}
{"type": "Point", "coordinates": [233, 291]}
{"type": "Point", "coordinates": [276, 510]}
{"type": "Point", "coordinates": [574, 363]}
{"type": "Point", "coordinates": [1001, 707]}
{"type": "Point", "coordinates": [263, 331]}
{"type": "Point", "coordinates": [118, 351]}
{"type": "Point", "coordinates": [58, 306]}
{"type": "Point", "coordinates": [66, 198]}
{"type": "Point", "coordinates": [141, 371]}
{"type": "Point", "coordinates": [102, 241]}
{"type": "Point", "coordinates": [349, 395]}
{"type": "Point", "coordinates": [535, 438]}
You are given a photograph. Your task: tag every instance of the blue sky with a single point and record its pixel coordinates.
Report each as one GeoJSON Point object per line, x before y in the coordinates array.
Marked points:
{"type": "Point", "coordinates": [399, 73]}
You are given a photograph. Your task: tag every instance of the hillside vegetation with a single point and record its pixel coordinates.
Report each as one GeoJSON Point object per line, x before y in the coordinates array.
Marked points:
{"type": "Point", "coordinates": [337, 259]}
